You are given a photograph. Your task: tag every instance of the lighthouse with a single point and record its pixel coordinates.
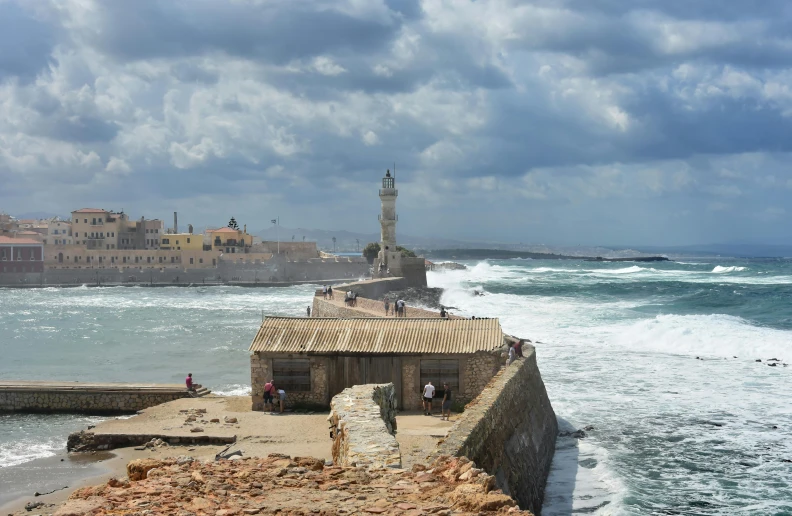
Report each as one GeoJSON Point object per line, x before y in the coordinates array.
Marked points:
{"type": "Point", "coordinates": [389, 257]}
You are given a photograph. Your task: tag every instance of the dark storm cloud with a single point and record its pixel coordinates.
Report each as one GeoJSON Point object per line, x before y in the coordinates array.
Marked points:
{"type": "Point", "coordinates": [277, 32]}
{"type": "Point", "coordinates": [25, 42]}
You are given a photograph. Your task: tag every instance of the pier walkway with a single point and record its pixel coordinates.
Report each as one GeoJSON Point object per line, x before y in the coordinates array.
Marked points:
{"type": "Point", "coordinates": [88, 397]}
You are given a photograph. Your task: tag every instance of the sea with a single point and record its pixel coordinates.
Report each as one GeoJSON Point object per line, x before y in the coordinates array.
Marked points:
{"type": "Point", "coordinates": [676, 370]}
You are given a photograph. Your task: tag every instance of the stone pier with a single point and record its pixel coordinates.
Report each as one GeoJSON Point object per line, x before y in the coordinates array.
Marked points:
{"type": "Point", "coordinates": [86, 398]}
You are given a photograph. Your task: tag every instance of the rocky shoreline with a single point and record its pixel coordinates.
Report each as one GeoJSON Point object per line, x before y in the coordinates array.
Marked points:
{"type": "Point", "coordinates": [279, 484]}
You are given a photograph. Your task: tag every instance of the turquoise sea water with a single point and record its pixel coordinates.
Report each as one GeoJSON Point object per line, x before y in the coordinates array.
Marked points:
{"type": "Point", "coordinates": [618, 347]}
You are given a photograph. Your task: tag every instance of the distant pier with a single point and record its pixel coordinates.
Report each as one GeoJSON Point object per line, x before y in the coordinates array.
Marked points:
{"type": "Point", "coordinates": [88, 398]}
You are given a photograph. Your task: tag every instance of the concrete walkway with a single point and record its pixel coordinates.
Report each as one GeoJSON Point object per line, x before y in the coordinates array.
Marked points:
{"type": "Point", "coordinates": [418, 435]}
{"type": "Point", "coordinates": [371, 308]}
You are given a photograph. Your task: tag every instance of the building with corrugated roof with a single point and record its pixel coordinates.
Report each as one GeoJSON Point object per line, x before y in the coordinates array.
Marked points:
{"type": "Point", "coordinates": [313, 359]}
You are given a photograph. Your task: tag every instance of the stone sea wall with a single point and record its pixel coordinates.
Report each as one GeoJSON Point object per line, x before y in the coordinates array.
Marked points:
{"type": "Point", "coordinates": [372, 289]}
{"type": "Point", "coordinates": [56, 399]}
{"type": "Point", "coordinates": [510, 432]}
{"type": "Point", "coordinates": [363, 419]}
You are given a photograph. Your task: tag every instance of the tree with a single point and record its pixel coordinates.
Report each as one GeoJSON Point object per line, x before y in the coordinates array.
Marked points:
{"type": "Point", "coordinates": [334, 244]}
{"type": "Point", "coordinates": [233, 224]}
{"type": "Point", "coordinates": [405, 252]}
{"type": "Point", "coordinates": [371, 251]}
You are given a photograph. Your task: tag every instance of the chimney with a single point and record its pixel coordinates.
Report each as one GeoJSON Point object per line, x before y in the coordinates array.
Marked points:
{"type": "Point", "coordinates": [175, 223]}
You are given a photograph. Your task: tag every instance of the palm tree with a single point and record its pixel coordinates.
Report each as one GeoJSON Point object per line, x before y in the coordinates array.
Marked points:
{"type": "Point", "coordinates": [334, 244]}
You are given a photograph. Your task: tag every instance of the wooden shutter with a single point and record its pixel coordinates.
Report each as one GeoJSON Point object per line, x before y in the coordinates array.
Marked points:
{"type": "Point", "coordinates": [292, 374]}
{"type": "Point", "coordinates": [440, 371]}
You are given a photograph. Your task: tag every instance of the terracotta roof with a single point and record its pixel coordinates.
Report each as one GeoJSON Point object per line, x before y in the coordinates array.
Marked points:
{"type": "Point", "coordinates": [90, 210]}
{"type": "Point", "coordinates": [377, 335]}
{"type": "Point", "coordinates": [18, 241]}
{"type": "Point", "coordinates": [224, 230]}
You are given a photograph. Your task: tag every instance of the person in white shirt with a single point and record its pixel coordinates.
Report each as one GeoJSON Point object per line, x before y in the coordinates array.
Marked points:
{"type": "Point", "coordinates": [428, 394]}
{"type": "Point", "coordinates": [282, 398]}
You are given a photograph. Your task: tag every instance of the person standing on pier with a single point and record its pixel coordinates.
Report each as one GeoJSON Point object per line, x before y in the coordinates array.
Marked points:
{"type": "Point", "coordinates": [324, 291]}
{"type": "Point", "coordinates": [189, 382]}
{"type": "Point", "coordinates": [387, 305]}
{"type": "Point", "coordinates": [445, 409]}
{"type": "Point", "coordinates": [428, 394]}
{"type": "Point", "coordinates": [308, 311]}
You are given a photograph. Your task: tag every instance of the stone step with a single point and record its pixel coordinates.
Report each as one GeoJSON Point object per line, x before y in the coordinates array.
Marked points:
{"type": "Point", "coordinates": [203, 391]}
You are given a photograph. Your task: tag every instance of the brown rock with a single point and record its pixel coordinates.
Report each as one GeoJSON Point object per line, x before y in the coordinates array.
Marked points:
{"type": "Point", "coordinates": [375, 510]}
{"type": "Point", "coordinates": [406, 506]}
{"type": "Point", "coordinates": [138, 469]}
{"type": "Point", "coordinates": [79, 507]}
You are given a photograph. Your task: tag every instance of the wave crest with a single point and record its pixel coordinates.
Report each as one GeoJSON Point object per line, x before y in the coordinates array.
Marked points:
{"type": "Point", "coordinates": [719, 269]}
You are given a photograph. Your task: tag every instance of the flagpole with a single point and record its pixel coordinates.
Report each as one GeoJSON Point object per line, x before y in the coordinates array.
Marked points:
{"type": "Point", "coordinates": [277, 233]}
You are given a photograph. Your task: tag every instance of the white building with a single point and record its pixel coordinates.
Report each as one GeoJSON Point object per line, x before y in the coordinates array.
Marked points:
{"type": "Point", "coordinates": [59, 232]}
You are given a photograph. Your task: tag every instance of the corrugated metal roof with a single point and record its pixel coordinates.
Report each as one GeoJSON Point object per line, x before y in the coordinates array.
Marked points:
{"type": "Point", "coordinates": [377, 335]}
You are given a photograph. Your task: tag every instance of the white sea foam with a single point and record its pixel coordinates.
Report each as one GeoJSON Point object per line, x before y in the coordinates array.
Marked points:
{"type": "Point", "coordinates": [233, 390]}
{"type": "Point", "coordinates": [719, 269]}
{"type": "Point", "coordinates": [26, 450]}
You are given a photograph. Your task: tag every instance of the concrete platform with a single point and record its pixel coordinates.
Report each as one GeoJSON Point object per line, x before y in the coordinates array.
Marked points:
{"type": "Point", "coordinates": [253, 433]}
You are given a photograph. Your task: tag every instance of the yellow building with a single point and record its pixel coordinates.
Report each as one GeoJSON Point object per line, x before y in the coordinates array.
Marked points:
{"type": "Point", "coordinates": [181, 242]}
{"type": "Point", "coordinates": [229, 240]}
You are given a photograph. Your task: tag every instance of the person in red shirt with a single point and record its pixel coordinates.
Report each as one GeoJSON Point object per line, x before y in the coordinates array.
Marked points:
{"type": "Point", "coordinates": [188, 382]}
{"type": "Point", "coordinates": [269, 390]}
{"type": "Point", "coordinates": [518, 348]}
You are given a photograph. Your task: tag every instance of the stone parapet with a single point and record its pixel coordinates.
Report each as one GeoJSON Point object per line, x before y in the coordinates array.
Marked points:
{"type": "Point", "coordinates": [83, 398]}
{"type": "Point", "coordinates": [363, 422]}
{"type": "Point", "coordinates": [509, 430]}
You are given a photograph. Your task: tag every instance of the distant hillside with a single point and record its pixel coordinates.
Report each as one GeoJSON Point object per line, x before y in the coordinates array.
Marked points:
{"type": "Point", "coordinates": [494, 254]}
{"type": "Point", "coordinates": [726, 250]}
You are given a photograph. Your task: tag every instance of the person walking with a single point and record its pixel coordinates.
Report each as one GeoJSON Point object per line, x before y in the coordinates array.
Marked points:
{"type": "Point", "coordinates": [308, 311]}
{"type": "Point", "coordinates": [445, 410]}
{"type": "Point", "coordinates": [324, 291]}
{"type": "Point", "coordinates": [512, 354]}
{"type": "Point", "coordinates": [330, 291]}
{"type": "Point", "coordinates": [386, 301]}
{"type": "Point", "coordinates": [428, 394]}
{"type": "Point", "coordinates": [443, 313]}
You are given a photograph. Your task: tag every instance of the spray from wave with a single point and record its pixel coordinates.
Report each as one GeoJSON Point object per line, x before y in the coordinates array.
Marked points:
{"type": "Point", "coordinates": [719, 269]}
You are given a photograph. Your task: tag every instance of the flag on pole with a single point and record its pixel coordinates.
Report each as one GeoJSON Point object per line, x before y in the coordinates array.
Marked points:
{"type": "Point", "coordinates": [274, 221]}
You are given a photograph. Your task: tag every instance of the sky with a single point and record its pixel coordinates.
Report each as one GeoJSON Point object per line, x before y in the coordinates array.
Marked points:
{"type": "Point", "coordinates": [594, 122]}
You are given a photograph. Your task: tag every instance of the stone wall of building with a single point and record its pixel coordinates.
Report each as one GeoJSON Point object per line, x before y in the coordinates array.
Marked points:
{"type": "Point", "coordinates": [261, 373]}
{"type": "Point", "coordinates": [509, 430]}
{"type": "Point", "coordinates": [363, 419]}
{"type": "Point", "coordinates": [56, 399]}
{"type": "Point", "coordinates": [477, 372]}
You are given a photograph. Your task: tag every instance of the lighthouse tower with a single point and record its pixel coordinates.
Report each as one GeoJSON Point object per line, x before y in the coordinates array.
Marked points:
{"type": "Point", "coordinates": [389, 257]}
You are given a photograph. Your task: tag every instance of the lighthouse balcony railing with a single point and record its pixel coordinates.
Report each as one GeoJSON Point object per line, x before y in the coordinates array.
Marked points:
{"type": "Point", "coordinates": [388, 191]}
{"type": "Point", "coordinates": [395, 218]}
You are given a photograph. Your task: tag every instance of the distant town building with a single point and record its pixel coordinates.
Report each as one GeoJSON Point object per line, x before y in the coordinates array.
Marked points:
{"type": "Point", "coordinates": [229, 240]}
{"type": "Point", "coordinates": [101, 229]}
{"type": "Point", "coordinates": [21, 255]}
{"type": "Point", "coordinates": [59, 232]}
{"type": "Point", "coordinates": [179, 241]}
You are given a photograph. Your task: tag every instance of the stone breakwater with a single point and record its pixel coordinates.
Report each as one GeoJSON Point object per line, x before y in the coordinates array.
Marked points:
{"type": "Point", "coordinates": [84, 398]}
{"type": "Point", "coordinates": [279, 484]}
{"type": "Point", "coordinates": [510, 431]}
{"type": "Point", "coordinates": [363, 421]}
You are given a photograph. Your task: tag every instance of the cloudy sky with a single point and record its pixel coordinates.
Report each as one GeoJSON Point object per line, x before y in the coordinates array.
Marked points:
{"type": "Point", "coordinates": [545, 121]}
